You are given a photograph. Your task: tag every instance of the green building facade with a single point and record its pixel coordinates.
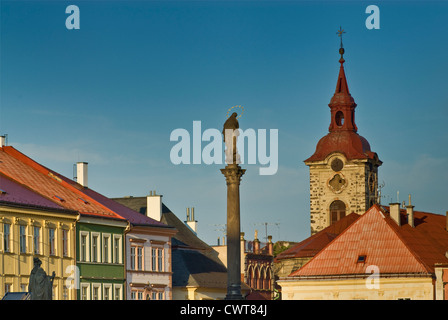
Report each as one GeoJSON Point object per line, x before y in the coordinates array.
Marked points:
{"type": "Point", "coordinates": [100, 258]}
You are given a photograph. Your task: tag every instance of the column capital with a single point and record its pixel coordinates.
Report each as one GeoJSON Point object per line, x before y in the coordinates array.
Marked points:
{"type": "Point", "coordinates": [233, 173]}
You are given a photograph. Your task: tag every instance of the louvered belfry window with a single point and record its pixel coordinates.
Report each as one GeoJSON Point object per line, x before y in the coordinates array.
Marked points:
{"type": "Point", "coordinates": [337, 211]}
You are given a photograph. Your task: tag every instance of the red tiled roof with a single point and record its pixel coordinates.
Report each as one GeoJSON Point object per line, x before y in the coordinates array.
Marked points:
{"type": "Point", "coordinates": [312, 245]}
{"type": "Point", "coordinates": [47, 183]}
{"type": "Point", "coordinates": [392, 248]}
{"type": "Point", "coordinates": [13, 192]}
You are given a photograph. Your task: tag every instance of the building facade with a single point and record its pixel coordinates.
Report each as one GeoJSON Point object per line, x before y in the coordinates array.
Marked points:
{"type": "Point", "coordinates": [87, 252]}
{"type": "Point", "coordinates": [33, 226]}
{"type": "Point", "coordinates": [100, 259]}
{"type": "Point", "coordinates": [388, 253]}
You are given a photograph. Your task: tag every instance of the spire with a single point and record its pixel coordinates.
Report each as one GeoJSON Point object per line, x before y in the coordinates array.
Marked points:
{"type": "Point", "coordinates": [342, 104]}
{"type": "Point", "coordinates": [341, 86]}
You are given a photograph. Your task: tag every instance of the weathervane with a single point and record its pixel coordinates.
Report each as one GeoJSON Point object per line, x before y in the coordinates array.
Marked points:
{"type": "Point", "coordinates": [341, 50]}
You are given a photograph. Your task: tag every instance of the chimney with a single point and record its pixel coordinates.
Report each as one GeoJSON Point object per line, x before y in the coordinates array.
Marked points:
{"type": "Point", "coordinates": [395, 212]}
{"type": "Point", "coordinates": [446, 222]}
{"type": "Point", "coordinates": [191, 222]}
{"type": "Point", "coordinates": [256, 243]}
{"type": "Point", "coordinates": [242, 243]}
{"type": "Point", "coordinates": [270, 246]}
{"type": "Point", "coordinates": [2, 141]}
{"type": "Point", "coordinates": [154, 206]}
{"type": "Point", "coordinates": [410, 212]}
{"type": "Point", "coordinates": [81, 173]}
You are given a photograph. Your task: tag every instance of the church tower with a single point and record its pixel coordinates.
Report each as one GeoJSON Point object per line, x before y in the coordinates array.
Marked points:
{"type": "Point", "coordinates": [343, 169]}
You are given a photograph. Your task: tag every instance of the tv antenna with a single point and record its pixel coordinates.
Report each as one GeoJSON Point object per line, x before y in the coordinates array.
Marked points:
{"type": "Point", "coordinates": [265, 224]}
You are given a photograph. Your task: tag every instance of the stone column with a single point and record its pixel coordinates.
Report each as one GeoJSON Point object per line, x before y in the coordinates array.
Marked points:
{"type": "Point", "coordinates": [233, 174]}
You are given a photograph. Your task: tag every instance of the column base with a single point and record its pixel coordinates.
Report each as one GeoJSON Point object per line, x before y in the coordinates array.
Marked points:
{"type": "Point", "coordinates": [234, 292]}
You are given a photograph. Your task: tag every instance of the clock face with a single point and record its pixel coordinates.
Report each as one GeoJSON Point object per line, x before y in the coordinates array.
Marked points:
{"type": "Point", "coordinates": [337, 164]}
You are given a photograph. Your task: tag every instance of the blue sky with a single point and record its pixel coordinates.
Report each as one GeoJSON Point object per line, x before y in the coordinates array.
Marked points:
{"type": "Point", "coordinates": [111, 93]}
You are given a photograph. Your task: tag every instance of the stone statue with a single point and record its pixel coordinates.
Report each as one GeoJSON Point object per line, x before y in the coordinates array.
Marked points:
{"type": "Point", "coordinates": [230, 132]}
{"type": "Point", "coordinates": [41, 285]}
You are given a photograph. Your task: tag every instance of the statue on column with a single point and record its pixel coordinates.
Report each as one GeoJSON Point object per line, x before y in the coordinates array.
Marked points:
{"type": "Point", "coordinates": [41, 285]}
{"type": "Point", "coordinates": [230, 132]}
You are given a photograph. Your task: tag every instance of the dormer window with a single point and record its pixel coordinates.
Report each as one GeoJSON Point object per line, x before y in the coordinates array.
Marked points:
{"type": "Point", "coordinates": [58, 198]}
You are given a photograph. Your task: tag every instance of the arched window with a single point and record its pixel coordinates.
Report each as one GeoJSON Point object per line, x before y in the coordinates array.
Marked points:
{"type": "Point", "coordinates": [256, 278]}
{"type": "Point", "coordinates": [337, 211]}
{"type": "Point", "coordinates": [250, 276]}
{"type": "Point", "coordinates": [339, 118]}
{"type": "Point", "coordinates": [267, 280]}
{"type": "Point", "coordinates": [261, 279]}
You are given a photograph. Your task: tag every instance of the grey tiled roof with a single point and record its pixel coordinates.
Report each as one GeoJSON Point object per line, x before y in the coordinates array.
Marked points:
{"type": "Point", "coordinates": [195, 263]}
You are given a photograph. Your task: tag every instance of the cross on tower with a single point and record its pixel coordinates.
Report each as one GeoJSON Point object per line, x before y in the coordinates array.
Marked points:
{"type": "Point", "coordinates": [339, 33]}
{"type": "Point", "coordinates": [341, 50]}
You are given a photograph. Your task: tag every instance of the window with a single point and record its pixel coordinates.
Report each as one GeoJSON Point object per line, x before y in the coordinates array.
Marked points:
{"type": "Point", "coordinates": [106, 248]}
{"type": "Point", "coordinates": [95, 247]}
{"type": "Point", "coordinates": [132, 261]}
{"type": "Point", "coordinates": [153, 259]}
{"type": "Point", "coordinates": [117, 291]}
{"type": "Point", "coordinates": [96, 291]}
{"type": "Point", "coordinates": [36, 240]}
{"type": "Point", "coordinates": [158, 295]}
{"type": "Point", "coordinates": [157, 259]}
{"type": "Point", "coordinates": [136, 257]}
{"type": "Point", "coordinates": [51, 242]}
{"type": "Point", "coordinates": [160, 259]}
{"type": "Point", "coordinates": [7, 237]}
{"type": "Point", "coordinates": [137, 294]}
{"type": "Point", "coordinates": [107, 291]}
{"type": "Point", "coordinates": [84, 246]}
{"type": "Point", "coordinates": [140, 258]}
{"type": "Point", "coordinates": [8, 287]}
{"type": "Point", "coordinates": [85, 291]}
{"type": "Point", "coordinates": [65, 243]}
{"type": "Point", "coordinates": [337, 211]}
{"type": "Point", "coordinates": [64, 293]}
{"type": "Point", "coordinates": [361, 259]}
{"type": "Point", "coordinates": [339, 118]}
{"type": "Point", "coordinates": [22, 230]}
{"type": "Point", "coordinates": [117, 249]}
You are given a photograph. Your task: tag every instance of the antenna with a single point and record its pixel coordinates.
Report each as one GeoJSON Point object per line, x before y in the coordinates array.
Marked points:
{"type": "Point", "coordinates": [220, 227]}
{"type": "Point", "coordinates": [223, 229]}
{"type": "Point", "coordinates": [380, 187]}
{"type": "Point", "coordinates": [277, 224]}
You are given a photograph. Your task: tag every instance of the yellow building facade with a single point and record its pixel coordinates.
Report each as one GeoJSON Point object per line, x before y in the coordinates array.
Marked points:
{"type": "Point", "coordinates": [48, 234]}
{"type": "Point", "coordinates": [394, 288]}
